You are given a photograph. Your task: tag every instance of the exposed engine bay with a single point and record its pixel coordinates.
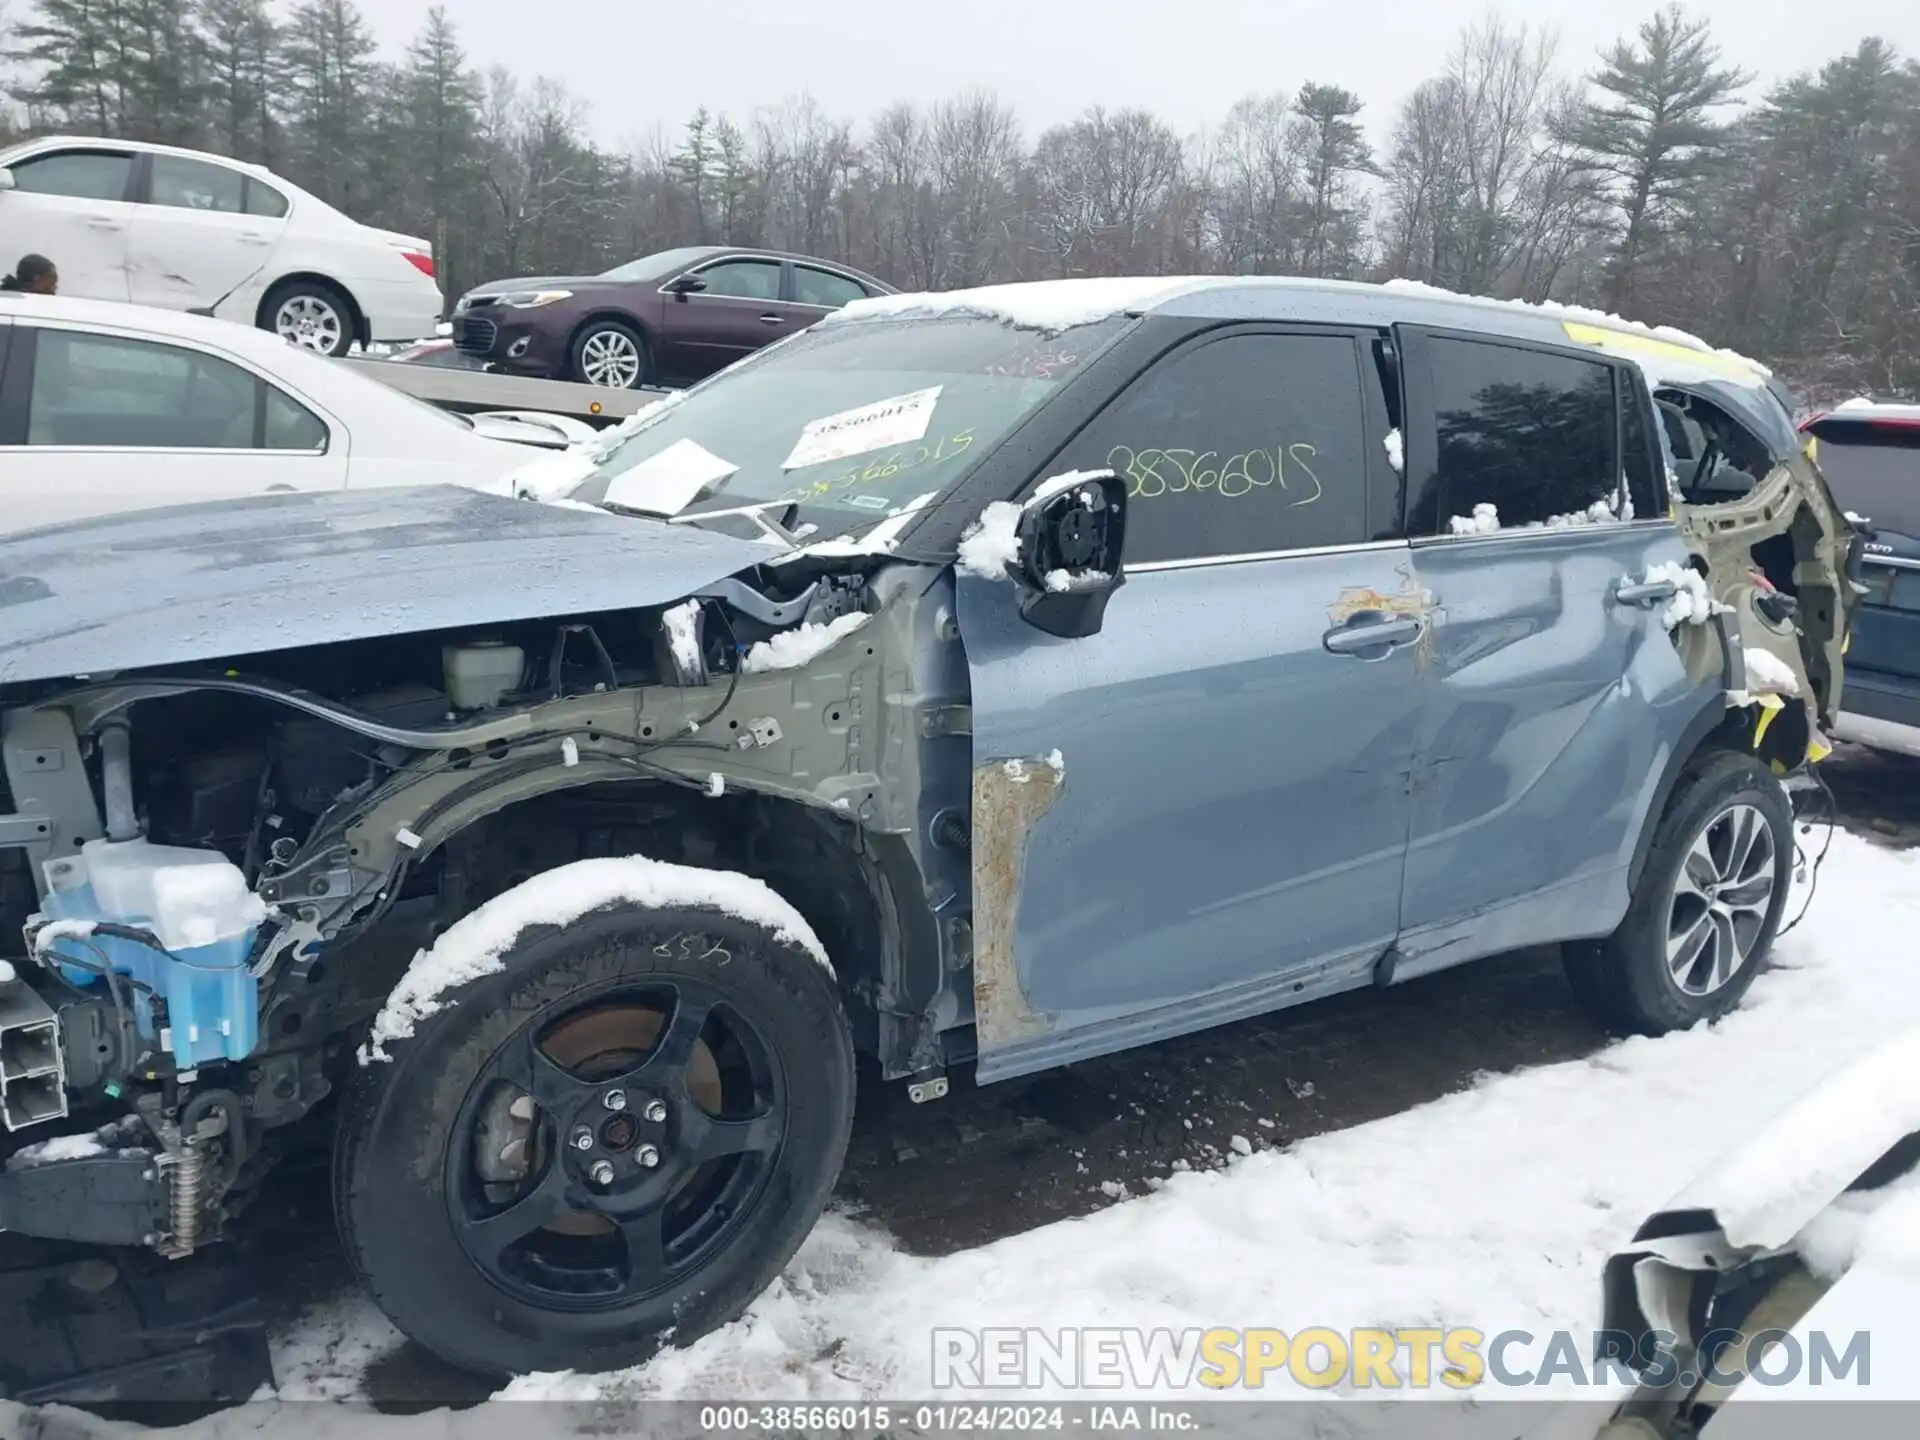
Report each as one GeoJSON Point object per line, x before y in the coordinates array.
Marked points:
{"type": "Point", "coordinates": [189, 852]}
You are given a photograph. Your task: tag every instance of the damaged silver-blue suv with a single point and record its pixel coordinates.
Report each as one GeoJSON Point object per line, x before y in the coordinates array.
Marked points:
{"type": "Point", "coordinates": [979, 681]}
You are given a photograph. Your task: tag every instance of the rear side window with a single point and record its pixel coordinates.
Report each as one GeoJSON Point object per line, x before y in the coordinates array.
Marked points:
{"type": "Point", "coordinates": [105, 391]}
{"type": "Point", "coordinates": [1525, 438]}
{"type": "Point", "coordinates": [1874, 471]}
{"type": "Point", "coordinates": [1244, 445]}
{"type": "Point", "coordinates": [820, 287]}
{"type": "Point", "coordinates": [80, 174]}
{"type": "Point", "coordinates": [183, 184]}
{"type": "Point", "coordinates": [265, 201]}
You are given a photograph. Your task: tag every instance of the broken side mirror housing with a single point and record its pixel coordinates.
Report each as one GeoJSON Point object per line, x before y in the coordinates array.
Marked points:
{"type": "Point", "coordinates": [1072, 536]}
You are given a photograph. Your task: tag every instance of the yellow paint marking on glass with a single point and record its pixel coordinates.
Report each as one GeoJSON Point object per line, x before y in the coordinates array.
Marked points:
{"type": "Point", "coordinates": [1626, 342]}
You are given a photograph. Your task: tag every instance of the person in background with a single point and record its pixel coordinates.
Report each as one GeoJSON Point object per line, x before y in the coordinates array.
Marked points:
{"type": "Point", "coordinates": [34, 275]}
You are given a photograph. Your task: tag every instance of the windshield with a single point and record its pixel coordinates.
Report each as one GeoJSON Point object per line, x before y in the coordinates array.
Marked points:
{"type": "Point", "coordinates": [848, 421]}
{"type": "Point", "coordinates": [1874, 473]}
{"type": "Point", "coordinates": [661, 262]}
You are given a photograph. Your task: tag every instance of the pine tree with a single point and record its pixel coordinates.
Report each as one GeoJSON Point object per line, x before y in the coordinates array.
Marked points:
{"type": "Point", "coordinates": [331, 77]}
{"type": "Point", "coordinates": [80, 50]}
{"type": "Point", "coordinates": [1654, 139]}
{"type": "Point", "coordinates": [241, 46]}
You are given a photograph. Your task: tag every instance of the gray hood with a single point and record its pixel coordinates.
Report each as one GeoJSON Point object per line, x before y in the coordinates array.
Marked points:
{"type": "Point", "coordinates": [206, 582]}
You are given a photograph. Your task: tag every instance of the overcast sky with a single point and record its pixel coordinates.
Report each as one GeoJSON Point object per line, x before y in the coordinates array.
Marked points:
{"type": "Point", "coordinates": [641, 66]}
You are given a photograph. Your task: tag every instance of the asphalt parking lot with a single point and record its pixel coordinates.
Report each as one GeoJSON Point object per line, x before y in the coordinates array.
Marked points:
{"type": "Point", "coordinates": [990, 1162]}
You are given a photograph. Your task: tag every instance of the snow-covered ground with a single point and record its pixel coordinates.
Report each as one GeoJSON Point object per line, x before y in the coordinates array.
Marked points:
{"type": "Point", "coordinates": [1492, 1208]}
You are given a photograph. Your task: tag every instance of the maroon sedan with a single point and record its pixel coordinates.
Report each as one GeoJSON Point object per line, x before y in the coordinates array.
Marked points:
{"type": "Point", "coordinates": [665, 319]}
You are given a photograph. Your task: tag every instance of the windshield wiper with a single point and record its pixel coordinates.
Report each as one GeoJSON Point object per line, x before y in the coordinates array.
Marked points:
{"type": "Point", "coordinates": [780, 529]}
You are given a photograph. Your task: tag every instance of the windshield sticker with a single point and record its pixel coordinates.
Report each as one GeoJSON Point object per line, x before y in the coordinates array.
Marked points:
{"type": "Point", "coordinates": [667, 483]}
{"type": "Point", "coordinates": [900, 420]}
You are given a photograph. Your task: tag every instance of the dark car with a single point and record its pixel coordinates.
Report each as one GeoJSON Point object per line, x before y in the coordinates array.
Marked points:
{"type": "Point", "coordinates": [1870, 455]}
{"type": "Point", "coordinates": [668, 318]}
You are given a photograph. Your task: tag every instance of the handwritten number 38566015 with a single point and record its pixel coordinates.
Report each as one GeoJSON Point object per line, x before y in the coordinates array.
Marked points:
{"type": "Point", "coordinates": [1152, 473]}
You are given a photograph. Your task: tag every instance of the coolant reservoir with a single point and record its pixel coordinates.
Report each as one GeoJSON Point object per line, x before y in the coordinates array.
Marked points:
{"type": "Point", "coordinates": [481, 673]}
{"type": "Point", "coordinates": [199, 907]}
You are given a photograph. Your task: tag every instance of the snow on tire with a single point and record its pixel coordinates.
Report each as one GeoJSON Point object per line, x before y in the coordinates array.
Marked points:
{"type": "Point", "coordinates": [604, 1108]}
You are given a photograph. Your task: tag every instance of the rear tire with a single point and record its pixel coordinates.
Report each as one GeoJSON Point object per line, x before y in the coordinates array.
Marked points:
{"type": "Point", "coordinates": [610, 354]}
{"type": "Point", "coordinates": [594, 1283]}
{"type": "Point", "coordinates": [1706, 910]}
{"type": "Point", "coordinates": [312, 315]}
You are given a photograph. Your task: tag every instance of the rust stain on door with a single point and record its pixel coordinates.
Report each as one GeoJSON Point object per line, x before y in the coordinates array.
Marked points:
{"type": "Point", "coordinates": [1009, 797]}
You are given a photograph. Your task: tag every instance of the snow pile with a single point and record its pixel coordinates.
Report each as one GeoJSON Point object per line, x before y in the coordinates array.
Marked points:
{"type": "Point", "coordinates": [1053, 485]}
{"type": "Point", "coordinates": [476, 945]}
{"type": "Point", "coordinates": [1692, 603]}
{"type": "Point", "coordinates": [683, 636]}
{"type": "Point", "coordinates": [1485, 519]}
{"type": "Point", "coordinates": [1396, 452]}
{"type": "Point", "coordinates": [791, 649]}
{"type": "Point", "coordinates": [1768, 674]}
{"type": "Point", "coordinates": [121, 1137]}
{"type": "Point", "coordinates": [1021, 771]}
{"type": "Point", "coordinates": [1047, 305]}
{"type": "Point", "coordinates": [1771, 1186]}
{"type": "Point", "coordinates": [992, 543]}
{"type": "Point", "coordinates": [1858, 402]}
{"type": "Point", "coordinates": [880, 540]}
{"type": "Point", "coordinates": [61, 1147]}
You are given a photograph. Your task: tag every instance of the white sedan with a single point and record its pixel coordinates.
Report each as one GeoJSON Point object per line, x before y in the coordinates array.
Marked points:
{"type": "Point", "coordinates": [106, 408]}
{"type": "Point", "coordinates": [185, 230]}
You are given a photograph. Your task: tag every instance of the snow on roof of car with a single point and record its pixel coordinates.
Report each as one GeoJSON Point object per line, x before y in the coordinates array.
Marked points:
{"type": "Point", "coordinates": [1667, 355]}
{"type": "Point", "coordinates": [1861, 408]}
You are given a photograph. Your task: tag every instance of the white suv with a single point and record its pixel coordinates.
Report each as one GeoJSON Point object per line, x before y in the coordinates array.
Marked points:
{"type": "Point", "coordinates": [185, 230]}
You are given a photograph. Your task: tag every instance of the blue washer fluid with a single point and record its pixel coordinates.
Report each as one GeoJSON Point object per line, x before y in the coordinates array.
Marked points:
{"type": "Point", "coordinates": [198, 904]}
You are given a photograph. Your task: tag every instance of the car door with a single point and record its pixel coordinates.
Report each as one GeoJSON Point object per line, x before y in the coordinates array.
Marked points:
{"type": "Point", "coordinates": [94, 423]}
{"type": "Point", "coordinates": [739, 311]}
{"type": "Point", "coordinates": [1226, 828]}
{"type": "Point", "coordinates": [1551, 704]}
{"type": "Point", "coordinates": [194, 240]}
{"type": "Point", "coordinates": [71, 206]}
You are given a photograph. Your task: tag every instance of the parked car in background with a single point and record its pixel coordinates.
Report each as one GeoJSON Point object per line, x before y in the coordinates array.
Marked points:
{"type": "Point", "coordinates": [105, 408]}
{"type": "Point", "coordinates": [1870, 455]}
{"type": "Point", "coordinates": [668, 318]}
{"type": "Point", "coordinates": [185, 230]}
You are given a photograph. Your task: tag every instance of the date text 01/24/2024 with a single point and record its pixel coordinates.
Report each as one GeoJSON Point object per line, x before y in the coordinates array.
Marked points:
{"type": "Point", "coordinates": [945, 1419]}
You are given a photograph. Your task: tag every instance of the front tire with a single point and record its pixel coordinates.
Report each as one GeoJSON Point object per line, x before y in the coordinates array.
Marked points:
{"type": "Point", "coordinates": [627, 1130]}
{"type": "Point", "coordinates": [1707, 907]}
{"type": "Point", "coordinates": [311, 315]}
{"type": "Point", "coordinates": [609, 354]}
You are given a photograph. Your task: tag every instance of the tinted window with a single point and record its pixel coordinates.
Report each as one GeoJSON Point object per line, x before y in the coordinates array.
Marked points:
{"type": "Point", "coordinates": [100, 390]}
{"type": "Point", "coordinates": [195, 185]}
{"type": "Point", "coordinates": [264, 200]}
{"type": "Point", "coordinates": [1244, 444]}
{"type": "Point", "coordinates": [1874, 473]}
{"type": "Point", "coordinates": [1530, 434]}
{"type": "Point", "coordinates": [819, 287]}
{"type": "Point", "coordinates": [83, 174]}
{"type": "Point", "coordinates": [745, 279]}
